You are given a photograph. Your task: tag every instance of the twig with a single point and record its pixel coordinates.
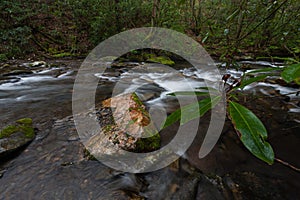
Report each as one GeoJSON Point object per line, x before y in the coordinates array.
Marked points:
{"type": "Point", "coordinates": [290, 51]}
{"type": "Point", "coordinates": [264, 20]}
{"type": "Point", "coordinates": [287, 164]}
{"type": "Point", "coordinates": [39, 44]}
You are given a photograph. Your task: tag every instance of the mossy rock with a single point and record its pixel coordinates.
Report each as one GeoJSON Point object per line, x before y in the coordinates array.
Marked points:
{"type": "Point", "coordinates": [62, 55]}
{"type": "Point", "coordinates": [148, 56]}
{"type": "Point", "coordinates": [14, 137]}
{"type": "Point", "coordinates": [22, 125]}
{"type": "Point", "coordinates": [127, 137]}
{"type": "Point", "coordinates": [148, 144]}
{"type": "Point", "coordinates": [145, 144]}
{"type": "Point", "coordinates": [25, 121]}
{"type": "Point", "coordinates": [161, 59]}
{"type": "Point", "coordinates": [88, 155]}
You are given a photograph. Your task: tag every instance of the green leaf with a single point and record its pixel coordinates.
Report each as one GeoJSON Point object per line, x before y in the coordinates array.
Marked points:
{"type": "Point", "coordinates": [253, 132]}
{"type": "Point", "coordinates": [191, 111]}
{"type": "Point", "coordinates": [248, 81]}
{"type": "Point", "coordinates": [291, 73]}
{"type": "Point", "coordinates": [297, 80]}
{"type": "Point", "coordinates": [189, 93]}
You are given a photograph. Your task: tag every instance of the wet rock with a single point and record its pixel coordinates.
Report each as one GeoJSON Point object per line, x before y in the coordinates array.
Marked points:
{"type": "Point", "coordinates": [14, 137]}
{"type": "Point", "coordinates": [4, 80]}
{"type": "Point", "coordinates": [125, 132]}
{"type": "Point", "coordinates": [161, 184]}
{"type": "Point", "coordinates": [47, 173]}
{"type": "Point", "coordinates": [280, 81]}
{"type": "Point", "coordinates": [256, 186]}
{"type": "Point", "coordinates": [186, 188]}
{"type": "Point", "coordinates": [73, 138]}
{"type": "Point", "coordinates": [124, 64]}
{"type": "Point", "coordinates": [171, 182]}
{"type": "Point", "coordinates": [125, 181]}
{"type": "Point", "coordinates": [17, 72]}
{"type": "Point", "coordinates": [4, 67]}
{"type": "Point", "coordinates": [35, 64]}
{"type": "Point", "coordinates": [1, 173]}
{"type": "Point", "coordinates": [13, 69]}
{"type": "Point", "coordinates": [150, 92]}
{"type": "Point", "coordinates": [208, 191]}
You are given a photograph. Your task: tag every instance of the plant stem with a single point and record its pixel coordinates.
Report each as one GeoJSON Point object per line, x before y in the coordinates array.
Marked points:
{"type": "Point", "coordinates": [287, 164]}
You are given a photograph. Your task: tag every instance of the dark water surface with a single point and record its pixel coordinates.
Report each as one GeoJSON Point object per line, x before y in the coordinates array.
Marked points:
{"type": "Point", "coordinates": [55, 165]}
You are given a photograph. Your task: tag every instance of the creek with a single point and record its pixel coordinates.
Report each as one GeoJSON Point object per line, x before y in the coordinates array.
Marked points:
{"type": "Point", "coordinates": [56, 166]}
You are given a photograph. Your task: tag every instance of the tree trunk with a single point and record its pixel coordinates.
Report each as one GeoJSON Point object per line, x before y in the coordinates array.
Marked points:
{"type": "Point", "coordinates": [155, 13]}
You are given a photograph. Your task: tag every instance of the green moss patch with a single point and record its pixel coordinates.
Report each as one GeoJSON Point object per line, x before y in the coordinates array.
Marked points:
{"type": "Point", "coordinates": [8, 131]}
{"type": "Point", "coordinates": [148, 144]}
{"type": "Point", "coordinates": [22, 125]}
{"type": "Point", "coordinates": [161, 59]}
{"type": "Point", "coordinates": [25, 121]}
{"type": "Point", "coordinates": [62, 55]}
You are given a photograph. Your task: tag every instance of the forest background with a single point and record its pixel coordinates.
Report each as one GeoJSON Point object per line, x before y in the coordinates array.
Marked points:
{"type": "Point", "coordinates": [228, 29]}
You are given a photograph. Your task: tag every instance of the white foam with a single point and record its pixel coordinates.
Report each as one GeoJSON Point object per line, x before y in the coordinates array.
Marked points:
{"type": "Point", "coordinates": [21, 84]}
{"type": "Point", "coordinates": [263, 63]}
{"type": "Point", "coordinates": [20, 98]}
{"type": "Point", "coordinates": [172, 81]}
{"type": "Point", "coordinates": [283, 90]}
{"type": "Point", "coordinates": [295, 110]}
{"type": "Point", "coordinates": [65, 74]}
{"type": "Point", "coordinates": [46, 70]}
{"type": "Point", "coordinates": [109, 78]}
{"type": "Point", "coordinates": [32, 79]}
{"type": "Point", "coordinates": [13, 86]}
{"type": "Point", "coordinates": [209, 75]}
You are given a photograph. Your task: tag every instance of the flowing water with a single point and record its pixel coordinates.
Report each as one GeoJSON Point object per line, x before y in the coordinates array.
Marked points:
{"type": "Point", "coordinates": [55, 165]}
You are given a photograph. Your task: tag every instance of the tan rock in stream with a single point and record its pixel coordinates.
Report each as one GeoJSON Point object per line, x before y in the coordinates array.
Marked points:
{"type": "Point", "coordinates": [129, 113]}
{"type": "Point", "coordinates": [127, 129]}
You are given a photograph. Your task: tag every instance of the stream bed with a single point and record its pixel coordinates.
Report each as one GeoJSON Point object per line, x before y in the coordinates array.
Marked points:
{"type": "Point", "coordinates": [56, 166]}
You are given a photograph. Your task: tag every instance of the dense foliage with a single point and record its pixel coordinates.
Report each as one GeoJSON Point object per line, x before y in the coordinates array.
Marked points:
{"type": "Point", "coordinates": [224, 27]}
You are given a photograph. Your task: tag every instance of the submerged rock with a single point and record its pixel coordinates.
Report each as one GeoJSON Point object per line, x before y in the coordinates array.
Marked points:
{"type": "Point", "coordinates": [14, 137]}
{"type": "Point", "coordinates": [4, 80]}
{"type": "Point", "coordinates": [35, 64]}
{"type": "Point", "coordinates": [17, 72]}
{"type": "Point", "coordinates": [13, 70]}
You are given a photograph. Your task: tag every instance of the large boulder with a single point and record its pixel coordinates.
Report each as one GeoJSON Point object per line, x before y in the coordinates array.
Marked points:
{"type": "Point", "coordinates": [125, 126]}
